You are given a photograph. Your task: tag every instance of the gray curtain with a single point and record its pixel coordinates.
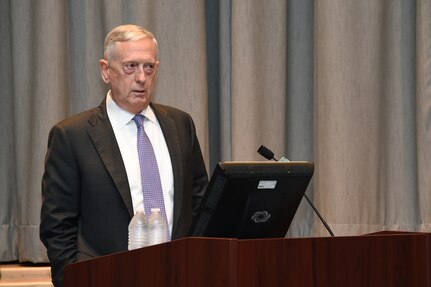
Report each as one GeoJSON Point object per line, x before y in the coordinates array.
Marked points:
{"type": "Point", "coordinates": [346, 84]}
{"type": "Point", "coordinates": [372, 114]}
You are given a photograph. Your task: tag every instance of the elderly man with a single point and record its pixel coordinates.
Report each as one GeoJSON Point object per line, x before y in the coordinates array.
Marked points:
{"type": "Point", "coordinates": [126, 155]}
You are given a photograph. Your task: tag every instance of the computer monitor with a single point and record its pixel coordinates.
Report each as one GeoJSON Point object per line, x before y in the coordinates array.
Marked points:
{"type": "Point", "coordinates": [251, 199]}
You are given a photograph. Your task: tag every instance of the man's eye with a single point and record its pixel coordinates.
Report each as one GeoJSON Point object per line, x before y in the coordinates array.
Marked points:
{"type": "Point", "coordinates": [149, 67]}
{"type": "Point", "coordinates": [129, 67]}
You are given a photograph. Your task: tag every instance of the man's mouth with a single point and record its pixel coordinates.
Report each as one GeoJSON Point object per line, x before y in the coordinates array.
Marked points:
{"type": "Point", "coordinates": [139, 91]}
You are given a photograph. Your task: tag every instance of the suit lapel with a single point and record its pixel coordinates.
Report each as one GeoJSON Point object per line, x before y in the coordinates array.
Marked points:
{"type": "Point", "coordinates": [172, 141]}
{"type": "Point", "coordinates": [103, 138]}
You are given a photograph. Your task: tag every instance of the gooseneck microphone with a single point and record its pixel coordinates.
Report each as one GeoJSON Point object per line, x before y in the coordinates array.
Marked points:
{"type": "Point", "coordinates": [268, 154]}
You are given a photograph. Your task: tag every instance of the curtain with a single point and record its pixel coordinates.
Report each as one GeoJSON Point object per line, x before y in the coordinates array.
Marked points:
{"type": "Point", "coordinates": [345, 84]}
{"type": "Point", "coordinates": [372, 114]}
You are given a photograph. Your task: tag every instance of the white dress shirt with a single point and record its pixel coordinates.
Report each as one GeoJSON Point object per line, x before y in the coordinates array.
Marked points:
{"type": "Point", "coordinates": [125, 131]}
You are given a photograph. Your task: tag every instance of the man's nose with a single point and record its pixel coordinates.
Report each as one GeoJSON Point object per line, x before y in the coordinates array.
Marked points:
{"type": "Point", "coordinates": [140, 75]}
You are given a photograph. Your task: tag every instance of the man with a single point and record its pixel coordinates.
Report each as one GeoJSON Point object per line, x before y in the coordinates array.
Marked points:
{"type": "Point", "coordinates": [92, 184]}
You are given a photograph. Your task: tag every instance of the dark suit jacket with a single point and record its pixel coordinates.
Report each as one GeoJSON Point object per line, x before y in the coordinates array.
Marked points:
{"type": "Point", "coordinates": [87, 204]}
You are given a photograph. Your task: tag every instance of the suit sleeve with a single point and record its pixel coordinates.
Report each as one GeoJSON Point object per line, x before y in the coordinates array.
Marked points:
{"type": "Point", "coordinates": [60, 203]}
{"type": "Point", "coordinates": [200, 177]}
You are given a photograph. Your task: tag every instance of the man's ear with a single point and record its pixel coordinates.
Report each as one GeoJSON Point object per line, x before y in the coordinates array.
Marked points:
{"type": "Point", "coordinates": [104, 70]}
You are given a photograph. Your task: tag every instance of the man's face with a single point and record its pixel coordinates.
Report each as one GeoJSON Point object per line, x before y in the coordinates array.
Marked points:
{"type": "Point", "coordinates": [131, 73]}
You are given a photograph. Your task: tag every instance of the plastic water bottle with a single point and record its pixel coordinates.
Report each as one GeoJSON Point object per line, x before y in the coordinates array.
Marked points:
{"type": "Point", "coordinates": [158, 227]}
{"type": "Point", "coordinates": [138, 231]}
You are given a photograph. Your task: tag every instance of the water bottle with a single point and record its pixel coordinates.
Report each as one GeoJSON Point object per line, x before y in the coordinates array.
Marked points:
{"type": "Point", "coordinates": [158, 227]}
{"type": "Point", "coordinates": [138, 231]}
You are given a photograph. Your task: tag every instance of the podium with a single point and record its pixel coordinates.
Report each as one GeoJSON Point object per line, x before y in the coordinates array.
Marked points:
{"type": "Point", "coordinates": [380, 259]}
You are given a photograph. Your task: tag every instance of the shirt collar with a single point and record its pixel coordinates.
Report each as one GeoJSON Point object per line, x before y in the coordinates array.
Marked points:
{"type": "Point", "coordinates": [120, 118]}
{"type": "Point", "coordinates": [149, 114]}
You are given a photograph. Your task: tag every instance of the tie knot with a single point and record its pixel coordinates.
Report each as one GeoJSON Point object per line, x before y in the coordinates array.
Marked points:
{"type": "Point", "coordinates": [138, 119]}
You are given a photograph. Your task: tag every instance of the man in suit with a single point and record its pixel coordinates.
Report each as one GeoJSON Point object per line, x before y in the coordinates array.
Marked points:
{"type": "Point", "coordinates": [92, 185]}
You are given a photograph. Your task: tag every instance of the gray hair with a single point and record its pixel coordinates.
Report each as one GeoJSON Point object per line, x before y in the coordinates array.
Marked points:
{"type": "Point", "coordinates": [125, 33]}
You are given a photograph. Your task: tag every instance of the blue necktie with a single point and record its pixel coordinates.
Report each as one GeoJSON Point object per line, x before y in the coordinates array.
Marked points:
{"type": "Point", "coordinates": [150, 176]}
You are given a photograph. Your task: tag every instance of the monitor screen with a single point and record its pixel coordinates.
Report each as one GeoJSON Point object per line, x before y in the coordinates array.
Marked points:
{"type": "Point", "coordinates": [251, 199]}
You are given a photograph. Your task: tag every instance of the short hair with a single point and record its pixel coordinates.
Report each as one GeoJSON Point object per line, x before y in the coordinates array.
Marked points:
{"type": "Point", "coordinates": [126, 33]}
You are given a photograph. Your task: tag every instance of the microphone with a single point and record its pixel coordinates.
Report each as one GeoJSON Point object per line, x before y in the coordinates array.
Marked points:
{"type": "Point", "coordinates": [268, 154]}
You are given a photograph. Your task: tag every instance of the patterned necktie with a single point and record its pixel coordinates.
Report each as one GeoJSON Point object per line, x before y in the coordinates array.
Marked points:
{"type": "Point", "coordinates": [150, 176]}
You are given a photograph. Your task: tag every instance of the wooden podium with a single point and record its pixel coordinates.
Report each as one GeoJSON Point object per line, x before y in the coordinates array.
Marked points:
{"type": "Point", "coordinates": [380, 259]}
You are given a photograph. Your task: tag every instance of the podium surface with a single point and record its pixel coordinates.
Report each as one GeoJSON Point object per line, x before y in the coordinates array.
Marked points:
{"type": "Point", "coordinates": [381, 259]}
